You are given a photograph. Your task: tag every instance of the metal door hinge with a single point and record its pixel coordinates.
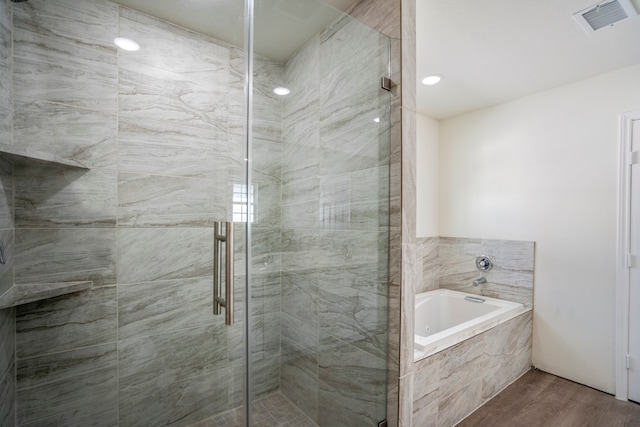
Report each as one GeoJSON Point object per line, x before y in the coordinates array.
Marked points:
{"type": "Point", "coordinates": [386, 83]}
{"type": "Point", "coordinates": [634, 157]}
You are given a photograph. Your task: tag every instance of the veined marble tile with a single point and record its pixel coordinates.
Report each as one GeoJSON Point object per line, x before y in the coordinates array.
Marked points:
{"type": "Point", "coordinates": [267, 203]}
{"type": "Point", "coordinates": [146, 92]}
{"type": "Point", "coordinates": [91, 25]}
{"type": "Point", "coordinates": [461, 363]}
{"type": "Point", "coordinates": [305, 359]}
{"type": "Point", "coordinates": [265, 292]}
{"type": "Point", "coordinates": [300, 295]}
{"type": "Point", "coordinates": [146, 255]}
{"type": "Point", "coordinates": [355, 317]}
{"type": "Point", "coordinates": [73, 386]}
{"type": "Point", "coordinates": [164, 306]}
{"type": "Point", "coordinates": [70, 321]}
{"type": "Point", "coordinates": [299, 377]}
{"type": "Point", "coordinates": [511, 277]}
{"type": "Point", "coordinates": [456, 406]}
{"type": "Point", "coordinates": [334, 204]}
{"type": "Point", "coordinates": [170, 47]}
{"type": "Point", "coordinates": [181, 355]}
{"type": "Point", "coordinates": [235, 389]}
{"type": "Point", "coordinates": [159, 148]}
{"type": "Point", "coordinates": [6, 270]}
{"type": "Point", "coordinates": [304, 333]}
{"type": "Point", "coordinates": [299, 162]}
{"type": "Point", "coordinates": [265, 336]}
{"type": "Point", "coordinates": [77, 134]}
{"type": "Point", "coordinates": [53, 196]}
{"type": "Point", "coordinates": [360, 277]}
{"type": "Point", "coordinates": [300, 204]}
{"type": "Point", "coordinates": [352, 60]}
{"type": "Point", "coordinates": [8, 336]}
{"type": "Point", "coordinates": [6, 70]}
{"type": "Point", "coordinates": [8, 397]}
{"type": "Point", "coordinates": [330, 248]}
{"type": "Point", "coordinates": [237, 97]}
{"type": "Point", "coordinates": [53, 70]}
{"type": "Point", "coordinates": [65, 255]}
{"type": "Point", "coordinates": [173, 378]}
{"type": "Point", "coordinates": [265, 249]}
{"type": "Point", "coordinates": [154, 200]}
{"type": "Point", "coordinates": [352, 385]}
{"type": "Point", "coordinates": [428, 250]}
{"type": "Point", "coordinates": [426, 416]}
{"type": "Point", "coordinates": [266, 376]}
{"type": "Point", "coordinates": [267, 106]}
{"type": "Point", "coordinates": [302, 126]}
{"type": "Point", "coordinates": [302, 77]}
{"type": "Point", "coordinates": [370, 199]}
{"type": "Point", "coordinates": [426, 382]}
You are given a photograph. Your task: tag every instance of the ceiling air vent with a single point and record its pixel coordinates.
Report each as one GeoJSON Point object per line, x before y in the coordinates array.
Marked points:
{"type": "Point", "coordinates": [604, 14]}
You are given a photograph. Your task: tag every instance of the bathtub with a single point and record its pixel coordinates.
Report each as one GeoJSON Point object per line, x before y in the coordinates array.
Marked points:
{"type": "Point", "coordinates": [444, 317]}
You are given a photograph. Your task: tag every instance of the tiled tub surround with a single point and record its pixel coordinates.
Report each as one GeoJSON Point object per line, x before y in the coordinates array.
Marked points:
{"type": "Point", "coordinates": [451, 384]}
{"type": "Point", "coordinates": [163, 144]}
{"type": "Point", "coordinates": [449, 263]}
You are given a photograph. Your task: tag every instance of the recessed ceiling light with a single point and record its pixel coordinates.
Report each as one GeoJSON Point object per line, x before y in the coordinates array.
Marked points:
{"type": "Point", "coordinates": [126, 44]}
{"type": "Point", "coordinates": [282, 91]}
{"type": "Point", "coordinates": [432, 79]}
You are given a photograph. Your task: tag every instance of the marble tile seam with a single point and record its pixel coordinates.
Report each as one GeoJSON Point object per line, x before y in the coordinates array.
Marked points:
{"type": "Point", "coordinates": [208, 128]}
{"type": "Point", "coordinates": [353, 346]}
{"type": "Point", "coordinates": [62, 352]}
{"type": "Point", "coordinates": [31, 100]}
{"type": "Point", "coordinates": [66, 41]}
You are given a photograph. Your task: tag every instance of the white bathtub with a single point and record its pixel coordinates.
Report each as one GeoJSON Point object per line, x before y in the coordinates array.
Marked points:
{"type": "Point", "coordinates": [444, 318]}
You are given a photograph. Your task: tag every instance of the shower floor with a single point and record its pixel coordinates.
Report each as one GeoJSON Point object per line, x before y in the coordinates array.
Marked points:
{"type": "Point", "coordinates": [274, 410]}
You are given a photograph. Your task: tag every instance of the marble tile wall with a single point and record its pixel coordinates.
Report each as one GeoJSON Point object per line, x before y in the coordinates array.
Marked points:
{"type": "Point", "coordinates": [335, 216]}
{"type": "Point", "coordinates": [164, 144]}
{"type": "Point", "coordinates": [161, 133]}
{"type": "Point", "coordinates": [7, 316]}
{"type": "Point", "coordinates": [511, 277]}
{"type": "Point", "coordinates": [428, 264]}
{"type": "Point", "coordinates": [451, 384]}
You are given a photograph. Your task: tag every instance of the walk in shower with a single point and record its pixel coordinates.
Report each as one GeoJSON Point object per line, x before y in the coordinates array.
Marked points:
{"type": "Point", "coordinates": [118, 166]}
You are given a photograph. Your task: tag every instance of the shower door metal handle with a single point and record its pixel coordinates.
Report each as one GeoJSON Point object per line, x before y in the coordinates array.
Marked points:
{"type": "Point", "coordinates": [218, 300]}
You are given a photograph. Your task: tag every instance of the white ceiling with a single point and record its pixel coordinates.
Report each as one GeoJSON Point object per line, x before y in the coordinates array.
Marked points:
{"type": "Point", "coordinates": [280, 26]}
{"type": "Point", "coordinates": [492, 51]}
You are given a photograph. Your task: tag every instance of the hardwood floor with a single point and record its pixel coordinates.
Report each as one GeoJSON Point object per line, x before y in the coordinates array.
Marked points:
{"type": "Point", "coordinates": [539, 399]}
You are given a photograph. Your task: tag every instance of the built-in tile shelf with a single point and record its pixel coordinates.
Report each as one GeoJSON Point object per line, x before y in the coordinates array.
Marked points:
{"type": "Point", "coordinates": [22, 294]}
{"type": "Point", "coordinates": [21, 156]}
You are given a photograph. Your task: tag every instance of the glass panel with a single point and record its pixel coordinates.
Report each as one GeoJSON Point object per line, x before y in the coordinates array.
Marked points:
{"type": "Point", "coordinates": [319, 240]}
{"type": "Point", "coordinates": [159, 133]}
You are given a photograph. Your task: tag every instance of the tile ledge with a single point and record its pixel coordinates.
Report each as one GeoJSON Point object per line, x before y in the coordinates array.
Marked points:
{"type": "Point", "coordinates": [26, 293]}
{"type": "Point", "coordinates": [21, 156]}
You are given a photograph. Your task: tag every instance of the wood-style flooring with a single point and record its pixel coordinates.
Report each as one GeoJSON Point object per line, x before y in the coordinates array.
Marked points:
{"type": "Point", "coordinates": [539, 399]}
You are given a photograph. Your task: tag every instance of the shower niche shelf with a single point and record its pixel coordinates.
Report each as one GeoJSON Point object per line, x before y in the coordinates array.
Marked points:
{"type": "Point", "coordinates": [23, 294]}
{"type": "Point", "coordinates": [20, 156]}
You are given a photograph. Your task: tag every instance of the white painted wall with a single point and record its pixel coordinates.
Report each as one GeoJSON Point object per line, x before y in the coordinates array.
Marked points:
{"type": "Point", "coordinates": [544, 168]}
{"type": "Point", "coordinates": [427, 174]}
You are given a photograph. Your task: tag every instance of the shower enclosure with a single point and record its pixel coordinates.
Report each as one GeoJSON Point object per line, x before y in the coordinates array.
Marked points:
{"type": "Point", "coordinates": [119, 166]}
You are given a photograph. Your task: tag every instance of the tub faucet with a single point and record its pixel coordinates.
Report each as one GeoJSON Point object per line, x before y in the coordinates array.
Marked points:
{"type": "Point", "coordinates": [479, 281]}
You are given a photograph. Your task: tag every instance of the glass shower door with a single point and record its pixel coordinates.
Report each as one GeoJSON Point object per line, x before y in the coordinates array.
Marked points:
{"type": "Point", "coordinates": [318, 229]}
